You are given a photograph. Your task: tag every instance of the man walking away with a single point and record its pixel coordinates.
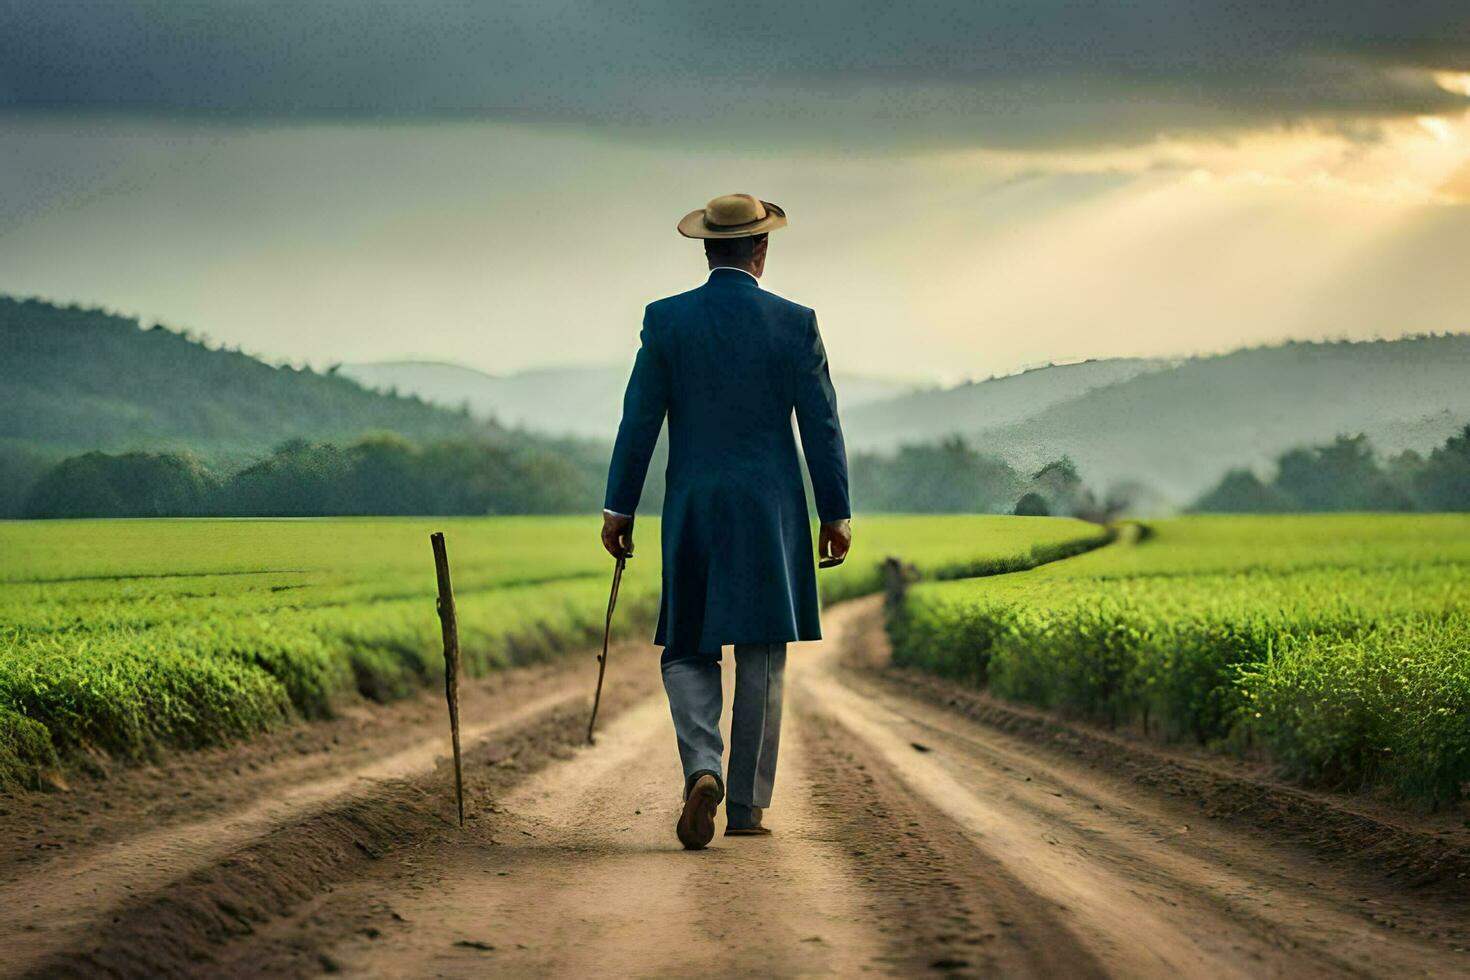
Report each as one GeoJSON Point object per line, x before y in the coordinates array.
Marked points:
{"type": "Point", "coordinates": [728, 363]}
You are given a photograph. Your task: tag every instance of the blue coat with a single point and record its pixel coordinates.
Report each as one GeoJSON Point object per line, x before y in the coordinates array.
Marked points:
{"type": "Point", "coordinates": [728, 363]}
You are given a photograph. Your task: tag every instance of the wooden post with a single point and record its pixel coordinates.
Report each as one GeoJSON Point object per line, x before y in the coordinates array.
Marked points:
{"type": "Point", "coordinates": [449, 625]}
{"type": "Point", "coordinates": [896, 579]}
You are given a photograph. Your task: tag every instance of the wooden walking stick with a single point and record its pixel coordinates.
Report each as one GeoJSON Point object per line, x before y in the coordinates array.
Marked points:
{"type": "Point", "coordinates": [450, 627]}
{"type": "Point", "coordinates": [612, 601]}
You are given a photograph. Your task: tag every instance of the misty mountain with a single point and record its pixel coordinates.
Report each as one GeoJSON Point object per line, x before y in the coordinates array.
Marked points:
{"type": "Point", "coordinates": [1173, 426]}
{"type": "Point", "coordinates": [1179, 429]}
{"type": "Point", "coordinates": [582, 401]}
{"type": "Point", "coordinates": [928, 415]}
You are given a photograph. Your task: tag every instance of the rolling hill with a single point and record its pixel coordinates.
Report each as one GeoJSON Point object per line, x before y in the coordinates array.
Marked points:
{"type": "Point", "coordinates": [583, 401]}
{"type": "Point", "coordinates": [927, 415]}
{"type": "Point", "coordinates": [74, 380]}
{"type": "Point", "coordinates": [1179, 430]}
{"type": "Point", "coordinates": [1178, 426]}
{"type": "Point", "coordinates": [81, 379]}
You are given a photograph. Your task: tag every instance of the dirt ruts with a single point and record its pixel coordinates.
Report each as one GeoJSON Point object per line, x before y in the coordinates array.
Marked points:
{"type": "Point", "coordinates": [918, 829]}
{"type": "Point", "coordinates": [156, 870]}
{"type": "Point", "coordinates": [1429, 853]}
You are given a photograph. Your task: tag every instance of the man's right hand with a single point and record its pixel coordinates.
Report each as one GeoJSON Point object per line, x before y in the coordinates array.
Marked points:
{"type": "Point", "coordinates": [834, 541]}
{"type": "Point", "coordinates": [617, 535]}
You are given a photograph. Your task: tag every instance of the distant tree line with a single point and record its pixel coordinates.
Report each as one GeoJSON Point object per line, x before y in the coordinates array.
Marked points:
{"type": "Point", "coordinates": [1346, 474]}
{"type": "Point", "coordinates": [953, 477]}
{"type": "Point", "coordinates": [944, 477]}
{"type": "Point", "coordinates": [388, 475]}
{"type": "Point", "coordinates": [379, 475]}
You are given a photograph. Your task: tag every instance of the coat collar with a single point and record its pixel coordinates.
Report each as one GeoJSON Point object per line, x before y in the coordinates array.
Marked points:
{"type": "Point", "coordinates": [732, 276]}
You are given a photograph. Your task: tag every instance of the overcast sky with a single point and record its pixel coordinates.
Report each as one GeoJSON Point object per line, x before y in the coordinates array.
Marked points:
{"type": "Point", "coordinates": [971, 186]}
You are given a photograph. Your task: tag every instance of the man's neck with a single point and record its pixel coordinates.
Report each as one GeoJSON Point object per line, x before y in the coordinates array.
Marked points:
{"type": "Point", "coordinates": [736, 268]}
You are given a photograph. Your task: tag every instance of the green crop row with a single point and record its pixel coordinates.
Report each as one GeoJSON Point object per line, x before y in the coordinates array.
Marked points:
{"type": "Point", "coordinates": [954, 547]}
{"type": "Point", "coordinates": [1338, 646]}
{"type": "Point", "coordinates": [131, 637]}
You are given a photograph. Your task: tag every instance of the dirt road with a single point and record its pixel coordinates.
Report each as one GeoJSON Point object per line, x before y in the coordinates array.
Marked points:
{"type": "Point", "coordinates": [908, 839]}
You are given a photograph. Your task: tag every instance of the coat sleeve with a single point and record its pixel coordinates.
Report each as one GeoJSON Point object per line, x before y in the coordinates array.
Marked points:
{"type": "Point", "coordinates": [821, 432]}
{"type": "Point", "coordinates": [644, 404]}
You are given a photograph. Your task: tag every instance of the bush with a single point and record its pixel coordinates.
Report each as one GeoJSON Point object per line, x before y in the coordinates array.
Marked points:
{"type": "Point", "coordinates": [25, 750]}
{"type": "Point", "coordinates": [1032, 505]}
{"type": "Point", "coordinates": [130, 485]}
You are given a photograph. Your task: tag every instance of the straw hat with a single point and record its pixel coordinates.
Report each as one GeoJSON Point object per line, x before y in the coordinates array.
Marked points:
{"type": "Point", "coordinates": [733, 216]}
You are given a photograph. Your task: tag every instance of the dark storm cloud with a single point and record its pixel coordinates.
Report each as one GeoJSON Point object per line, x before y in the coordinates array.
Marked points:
{"type": "Point", "coordinates": [833, 71]}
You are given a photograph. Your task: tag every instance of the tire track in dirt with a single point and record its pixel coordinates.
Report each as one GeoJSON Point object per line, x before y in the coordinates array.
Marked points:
{"type": "Point", "coordinates": [1419, 852]}
{"type": "Point", "coordinates": [43, 913]}
{"type": "Point", "coordinates": [941, 905]}
{"type": "Point", "coordinates": [215, 877]}
{"type": "Point", "coordinates": [583, 877]}
{"type": "Point", "coordinates": [1145, 894]}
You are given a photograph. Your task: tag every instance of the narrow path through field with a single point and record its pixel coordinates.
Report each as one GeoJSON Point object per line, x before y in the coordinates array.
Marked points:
{"type": "Point", "coordinates": [965, 854]}
{"type": "Point", "coordinates": [584, 882]}
{"type": "Point", "coordinates": [908, 839]}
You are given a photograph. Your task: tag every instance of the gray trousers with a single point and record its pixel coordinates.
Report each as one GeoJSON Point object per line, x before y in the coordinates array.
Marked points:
{"type": "Point", "coordinates": [695, 700]}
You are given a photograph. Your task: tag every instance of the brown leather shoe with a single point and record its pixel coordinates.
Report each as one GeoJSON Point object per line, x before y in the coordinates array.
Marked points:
{"type": "Point", "coordinates": [696, 826]}
{"type": "Point", "coordinates": [754, 830]}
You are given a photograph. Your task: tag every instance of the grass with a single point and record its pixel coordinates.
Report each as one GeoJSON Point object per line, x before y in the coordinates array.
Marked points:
{"type": "Point", "coordinates": [952, 547]}
{"type": "Point", "coordinates": [1336, 646]}
{"type": "Point", "coordinates": [135, 637]}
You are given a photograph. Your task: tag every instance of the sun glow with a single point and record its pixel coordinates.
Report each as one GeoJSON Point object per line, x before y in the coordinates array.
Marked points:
{"type": "Point", "coordinates": [1412, 161]}
{"type": "Point", "coordinates": [1437, 127]}
{"type": "Point", "coordinates": [1457, 82]}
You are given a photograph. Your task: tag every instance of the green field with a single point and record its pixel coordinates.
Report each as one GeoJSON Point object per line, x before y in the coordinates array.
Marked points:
{"type": "Point", "coordinates": [129, 637]}
{"type": "Point", "coordinates": [1337, 647]}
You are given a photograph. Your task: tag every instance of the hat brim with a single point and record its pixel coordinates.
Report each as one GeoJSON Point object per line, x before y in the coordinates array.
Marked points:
{"type": "Point", "coordinates": [692, 224]}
